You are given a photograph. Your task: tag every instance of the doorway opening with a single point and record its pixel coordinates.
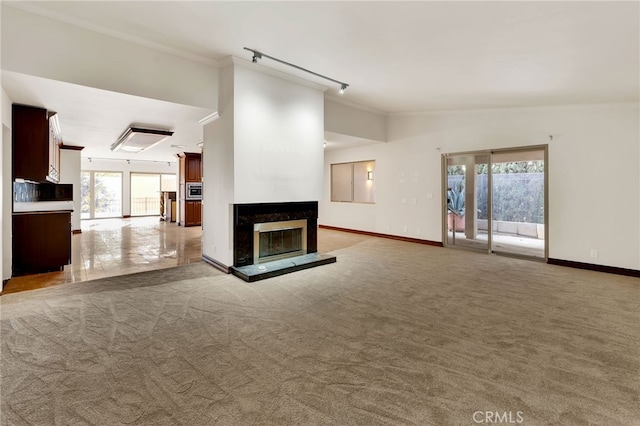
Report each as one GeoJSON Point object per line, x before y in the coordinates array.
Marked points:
{"type": "Point", "coordinates": [147, 193]}
{"type": "Point", "coordinates": [496, 201]}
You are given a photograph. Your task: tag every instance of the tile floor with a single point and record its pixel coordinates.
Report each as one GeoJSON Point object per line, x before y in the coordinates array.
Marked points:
{"type": "Point", "coordinates": [110, 247]}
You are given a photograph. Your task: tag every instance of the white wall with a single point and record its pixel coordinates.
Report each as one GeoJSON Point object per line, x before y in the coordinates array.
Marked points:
{"type": "Point", "coordinates": [126, 169]}
{"type": "Point", "coordinates": [278, 138]}
{"type": "Point", "coordinates": [6, 185]}
{"type": "Point", "coordinates": [594, 167]}
{"type": "Point", "coordinates": [64, 52]}
{"type": "Point", "coordinates": [70, 165]}
{"type": "Point", "coordinates": [354, 121]}
{"type": "Point", "coordinates": [218, 172]}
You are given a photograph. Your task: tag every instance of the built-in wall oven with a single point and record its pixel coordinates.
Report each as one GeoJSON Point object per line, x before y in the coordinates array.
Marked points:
{"type": "Point", "coordinates": [194, 191]}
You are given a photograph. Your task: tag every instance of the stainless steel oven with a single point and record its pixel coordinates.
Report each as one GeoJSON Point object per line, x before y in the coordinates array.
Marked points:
{"type": "Point", "coordinates": [194, 191]}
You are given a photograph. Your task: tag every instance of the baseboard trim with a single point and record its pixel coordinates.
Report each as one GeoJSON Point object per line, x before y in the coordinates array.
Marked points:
{"type": "Point", "coordinates": [391, 237]}
{"type": "Point", "coordinates": [219, 266]}
{"type": "Point", "coordinates": [594, 267]}
{"type": "Point", "coordinates": [76, 231]}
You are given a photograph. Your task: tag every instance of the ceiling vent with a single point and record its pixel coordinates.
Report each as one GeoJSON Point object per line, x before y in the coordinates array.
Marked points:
{"type": "Point", "coordinates": [136, 139]}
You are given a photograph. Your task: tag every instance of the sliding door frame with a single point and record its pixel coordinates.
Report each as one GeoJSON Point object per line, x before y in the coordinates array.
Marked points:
{"type": "Point", "coordinates": [489, 153]}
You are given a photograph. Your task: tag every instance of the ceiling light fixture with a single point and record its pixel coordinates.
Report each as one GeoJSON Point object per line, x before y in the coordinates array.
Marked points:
{"type": "Point", "coordinates": [258, 55]}
{"type": "Point", "coordinates": [137, 139]}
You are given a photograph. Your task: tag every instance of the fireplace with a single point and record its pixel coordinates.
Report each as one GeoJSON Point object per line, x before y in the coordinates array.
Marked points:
{"type": "Point", "coordinates": [279, 230]}
{"type": "Point", "coordinates": [271, 239]}
{"type": "Point", "coordinates": [279, 240]}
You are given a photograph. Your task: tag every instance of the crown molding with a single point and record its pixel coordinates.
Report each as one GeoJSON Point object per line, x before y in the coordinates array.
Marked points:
{"type": "Point", "coordinates": [209, 118]}
{"type": "Point", "coordinates": [522, 108]}
{"type": "Point", "coordinates": [36, 10]}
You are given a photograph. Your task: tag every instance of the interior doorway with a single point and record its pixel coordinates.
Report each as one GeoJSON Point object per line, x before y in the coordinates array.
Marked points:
{"type": "Point", "coordinates": [496, 201]}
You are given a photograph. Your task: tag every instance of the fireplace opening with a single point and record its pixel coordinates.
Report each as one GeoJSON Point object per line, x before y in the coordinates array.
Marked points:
{"type": "Point", "coordinates": [279, 240]}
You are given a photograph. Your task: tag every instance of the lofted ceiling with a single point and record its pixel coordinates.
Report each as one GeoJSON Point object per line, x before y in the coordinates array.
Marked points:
{"type": "Point", "coordinates": [400, 56]}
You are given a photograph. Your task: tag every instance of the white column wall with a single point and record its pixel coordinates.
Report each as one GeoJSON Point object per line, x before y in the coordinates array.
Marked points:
{"type": "Point", "coordinates": [594, 174]}
{"type": "Point", "coordinates": [266, 146]}
{"type": "Point", "coordinates": [6, 185]}
{"type": "Point", "coordinates": [126, 169]}
{"type": "Point", "coordinates": [218, 177]}
{"type": "Point", "coordinates": [70, 165]}
{"type": "Point", "coordinates": [278, 138]}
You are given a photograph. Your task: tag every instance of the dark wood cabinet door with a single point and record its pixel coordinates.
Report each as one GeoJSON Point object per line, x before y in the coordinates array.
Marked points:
{"type": "Point", "coordinates": [30, 139]}
{"type": "Point", "coordinates": [41, 242]}
{"type": "Point", "coordinates": [192, 167]}
{"type": "Point", "coordinates": [188, 213]}
{"type": "Point", "coordinates": [193, 213]}
{"type": "Point", "coordinates": [198, 212]}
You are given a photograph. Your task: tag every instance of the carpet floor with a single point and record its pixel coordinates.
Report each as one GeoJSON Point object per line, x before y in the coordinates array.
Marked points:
{"type": "Point", "coordinates": [394, 333]}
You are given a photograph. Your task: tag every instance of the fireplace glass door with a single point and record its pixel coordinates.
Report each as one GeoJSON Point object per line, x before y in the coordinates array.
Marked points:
{"type": "Point", "coordinates": [279, 240]}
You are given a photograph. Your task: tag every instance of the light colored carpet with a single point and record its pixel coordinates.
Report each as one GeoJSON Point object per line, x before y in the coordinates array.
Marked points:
{"type": "Point", "coordinates": [393, 333]}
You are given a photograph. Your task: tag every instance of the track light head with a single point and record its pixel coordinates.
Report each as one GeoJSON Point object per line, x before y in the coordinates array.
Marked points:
{"type": "Point", "coordinates": [343, 87]}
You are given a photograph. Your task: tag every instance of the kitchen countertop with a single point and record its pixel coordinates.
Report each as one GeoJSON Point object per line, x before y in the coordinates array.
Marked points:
{"type": "Point", "coordinates": [42, 206]}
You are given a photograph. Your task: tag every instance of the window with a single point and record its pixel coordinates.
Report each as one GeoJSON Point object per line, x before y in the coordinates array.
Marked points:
{"type": "Point", "coordinates": [168, 183]}
{"type": "Point", "coordinates": [353, 182]}
{"type": "Point", "coordinates": [145, 194]}
{"type": "Point", "coordinates": [101, 194]}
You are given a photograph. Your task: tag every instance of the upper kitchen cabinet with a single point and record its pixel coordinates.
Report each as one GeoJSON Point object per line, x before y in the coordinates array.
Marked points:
{"type": "Point", "coordinates": [36, 139]}
{"type": "Point", "coordinates": [190, 167]}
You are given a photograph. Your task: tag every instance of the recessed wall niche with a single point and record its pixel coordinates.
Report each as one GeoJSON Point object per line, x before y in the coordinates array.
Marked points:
{"type": "Point", "coordinates": [353, 182]}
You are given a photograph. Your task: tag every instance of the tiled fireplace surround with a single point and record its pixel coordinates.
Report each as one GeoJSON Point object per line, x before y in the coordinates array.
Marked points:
{"type": "Point", "coordinates": [246, 215]}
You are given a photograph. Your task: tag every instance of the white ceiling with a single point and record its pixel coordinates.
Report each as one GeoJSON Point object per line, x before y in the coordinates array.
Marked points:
{"type": "Point", "coordinates": [96, 118]}
{"type": "Point", "coordinates": [401, 56]}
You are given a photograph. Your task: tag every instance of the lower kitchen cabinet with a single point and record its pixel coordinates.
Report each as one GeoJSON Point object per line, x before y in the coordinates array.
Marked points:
{"type": "Point", "coordinates": [41, 242]}
{"type": "Point", "coordinates": [191, 213]}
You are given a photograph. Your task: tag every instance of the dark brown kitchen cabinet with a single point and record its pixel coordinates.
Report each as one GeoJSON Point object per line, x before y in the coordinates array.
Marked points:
{"type": "Point", "coordinates": [190, 167]}
{"type": "Point", "coordinates": [41, 242]}
{"type": "Point", "coordinates": [35, 143]}
{"type": "Point", "coordinates": [190, 213]}
{"type": "Point", "coordinates": [193, 213]}
{"type": "Point", "coordinates": [190, 171]}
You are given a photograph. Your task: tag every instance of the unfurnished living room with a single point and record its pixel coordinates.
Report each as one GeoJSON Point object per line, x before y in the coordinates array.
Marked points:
{"type": "Point", "coordinates": [304, 213]}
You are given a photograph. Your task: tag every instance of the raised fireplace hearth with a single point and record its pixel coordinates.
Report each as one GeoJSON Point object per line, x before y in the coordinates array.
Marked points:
{"type": "Point", "coordinates": [274, 238]}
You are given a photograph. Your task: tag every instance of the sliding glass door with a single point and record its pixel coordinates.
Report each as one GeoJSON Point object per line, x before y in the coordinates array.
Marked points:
{"type": "Point", "coordinates": [101, 194]}
{"type": "Point", "coordinates": [495, 201]}
{"type": "Point", "coordinates": [518, 202]}
{"type": "Point", "coordinates": [145, 194]}
{"type": "Point", "coordinates": [466, 200]}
